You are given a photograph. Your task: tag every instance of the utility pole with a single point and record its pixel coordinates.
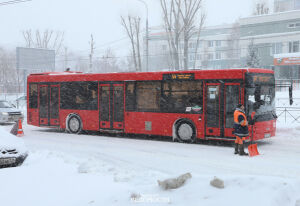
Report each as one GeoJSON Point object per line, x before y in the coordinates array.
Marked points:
{"type": "Point", "coordinates": [66, 58]}
{"type": "Point", "coordinates": [92, 44]}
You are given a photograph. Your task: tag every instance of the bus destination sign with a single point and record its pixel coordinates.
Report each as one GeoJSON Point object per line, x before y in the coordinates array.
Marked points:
{"type": "Point", "coordinates": [186, 76]}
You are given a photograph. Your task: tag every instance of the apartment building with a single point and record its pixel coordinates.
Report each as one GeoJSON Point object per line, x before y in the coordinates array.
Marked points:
{"type": "Point", "coordinates": [276, 37]}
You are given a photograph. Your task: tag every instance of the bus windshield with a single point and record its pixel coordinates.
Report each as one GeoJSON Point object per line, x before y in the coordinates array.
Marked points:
{"type": "Point", "coordinates": [261, 99]}
{"type": "Point", "coordinates": [260, 94]}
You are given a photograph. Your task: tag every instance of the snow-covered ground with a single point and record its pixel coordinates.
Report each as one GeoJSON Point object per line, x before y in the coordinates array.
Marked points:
{"type": "Point", "coordinates": [87, 170]}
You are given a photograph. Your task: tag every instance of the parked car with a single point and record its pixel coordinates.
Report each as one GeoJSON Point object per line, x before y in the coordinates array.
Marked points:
{"type": "Point", "coordinates": [12, 150]}
{"type": "Point", "coordinates": [8, 113]}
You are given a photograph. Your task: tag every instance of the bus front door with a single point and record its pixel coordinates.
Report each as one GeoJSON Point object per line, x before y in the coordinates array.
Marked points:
{"type": "Point", "coordinates": [49, 105]}
{"type": "Point", "coordinates": [212, 114]}
{"type": "Point", "coordinates": [232, 98]}
{"type": "Point", "coordinates": [111, 106]}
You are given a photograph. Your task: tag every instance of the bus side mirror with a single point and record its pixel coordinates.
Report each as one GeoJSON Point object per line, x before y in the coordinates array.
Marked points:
{"type": "Point", "coordinates": [291, 95]}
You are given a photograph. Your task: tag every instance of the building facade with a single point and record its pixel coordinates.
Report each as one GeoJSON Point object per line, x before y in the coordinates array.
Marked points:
{"type": "Point", "coordinates": [276, 38]}
{"type": "Point", "coordinates": [286, 5]}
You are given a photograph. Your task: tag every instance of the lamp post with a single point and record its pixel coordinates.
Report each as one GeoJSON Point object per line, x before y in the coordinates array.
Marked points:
{"type": "Point", "coordinates": [147, 35]}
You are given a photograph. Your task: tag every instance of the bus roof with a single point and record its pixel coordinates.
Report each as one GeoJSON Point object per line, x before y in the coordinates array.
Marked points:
{"type": "Point", "coordinates": [140, 76]}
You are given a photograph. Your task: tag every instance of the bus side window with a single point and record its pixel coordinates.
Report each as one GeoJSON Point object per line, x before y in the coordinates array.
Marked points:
{"type": "Point", "coordinates": [79, 95]}
{"type": "Point", "coordinates": [130, 96]}
{"type": "Point", "coordinates": [182, 96]}
{"type": "Point", "coordinates": [148, 96]}
{"type": "Point", "coordinates": [33, 96]}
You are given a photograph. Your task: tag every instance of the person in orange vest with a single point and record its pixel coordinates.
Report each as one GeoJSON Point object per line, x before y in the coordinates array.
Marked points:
{"type": "Point", "coordinates": [240, 129]}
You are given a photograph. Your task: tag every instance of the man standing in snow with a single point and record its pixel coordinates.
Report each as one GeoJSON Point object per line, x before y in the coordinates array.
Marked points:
{"type": "Point", "coordinates": [240, 129]}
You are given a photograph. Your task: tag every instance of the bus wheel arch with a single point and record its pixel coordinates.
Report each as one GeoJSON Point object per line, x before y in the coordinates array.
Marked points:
{"type": "Point", "coordinates": [184, 130]}
{"type": "Point", "coordinates": [74, 123]}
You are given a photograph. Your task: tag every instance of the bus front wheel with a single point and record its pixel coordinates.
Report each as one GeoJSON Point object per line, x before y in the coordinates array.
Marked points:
{"type": "Point", "coordinates": [74, 124]}
{"type": "Point", "coordinates": [185, 132]}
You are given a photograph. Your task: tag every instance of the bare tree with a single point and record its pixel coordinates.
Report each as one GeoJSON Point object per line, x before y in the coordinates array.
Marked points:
{"type": "Point", "coordinates": [233, 42]}
{"type": "Point", "coordinates": [253, 56]}
{"type": "Point", "coordinates": [171, 16]}
{"type": "Point", "coordinates": [132, 28]}
{"type": "Point", "coordinates": [10, 78]}
{"type": "Point", "coordinates": [47, 39]}
{"type": "Point", "coordinates": [203, 16]}
{"type": "Point", "coordinates": [180, 17]}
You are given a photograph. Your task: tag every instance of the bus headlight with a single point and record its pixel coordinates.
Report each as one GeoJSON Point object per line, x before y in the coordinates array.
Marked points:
{"type": "Point", "coordinates": [4, 113]}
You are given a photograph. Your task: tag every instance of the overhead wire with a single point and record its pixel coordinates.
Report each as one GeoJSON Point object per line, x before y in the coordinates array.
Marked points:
{"type": "Point", "coordinates": [13, 2]}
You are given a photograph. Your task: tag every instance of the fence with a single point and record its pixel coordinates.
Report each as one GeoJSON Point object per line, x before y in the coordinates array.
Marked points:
{"type": "Point", "coordinates": [296, 84]}
{"type": "Point", "coordinates": [288, 115]}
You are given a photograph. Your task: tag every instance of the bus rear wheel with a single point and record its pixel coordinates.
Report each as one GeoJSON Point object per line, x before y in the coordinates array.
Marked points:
{"type": "Point", "coordinates": [185, 132]}
{"type": "Point", "coordinates": [74, 124]}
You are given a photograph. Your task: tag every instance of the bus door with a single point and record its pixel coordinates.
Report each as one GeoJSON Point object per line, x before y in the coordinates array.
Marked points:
{"type": "Point", "coordinates": [212, 114]}
{"type": "Point", "coordinates": [49, 105]}
{"type": "Point", "coordinates": [111, 100]}
{"type": "Point", "coordinates": [231, 99]}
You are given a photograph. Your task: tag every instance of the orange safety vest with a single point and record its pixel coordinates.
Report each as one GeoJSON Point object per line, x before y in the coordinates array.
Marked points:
{"type": "Point", "coordinates": [236, 115]}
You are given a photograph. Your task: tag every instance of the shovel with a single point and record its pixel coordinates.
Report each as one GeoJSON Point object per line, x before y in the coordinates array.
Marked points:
{"type": "Point", "coordinates": [252, 148]}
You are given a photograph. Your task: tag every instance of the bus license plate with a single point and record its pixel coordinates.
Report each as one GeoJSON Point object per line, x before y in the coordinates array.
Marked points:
{"type": "Point", "coordinates": [267, 135]}
{"type": "Point", "coordinates": [7, 161]}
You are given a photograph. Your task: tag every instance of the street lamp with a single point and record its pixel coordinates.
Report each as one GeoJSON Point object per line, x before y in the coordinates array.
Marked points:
{"type": "Point", "coordinates": [147, 35]}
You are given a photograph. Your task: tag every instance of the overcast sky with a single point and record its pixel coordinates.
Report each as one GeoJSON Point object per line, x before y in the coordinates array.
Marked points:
{"type": "Point", "coordinates": [79, 18]}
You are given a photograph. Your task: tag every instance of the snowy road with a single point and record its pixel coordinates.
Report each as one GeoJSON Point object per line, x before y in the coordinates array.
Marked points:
{"type": "Point", "coordinates": [64, 169]}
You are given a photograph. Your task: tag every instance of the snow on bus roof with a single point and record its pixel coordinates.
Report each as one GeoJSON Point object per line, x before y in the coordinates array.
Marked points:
{"type": "Point", "coordinates": [57, 73]}
{"type": "Point", "coordinates": [163, 71]}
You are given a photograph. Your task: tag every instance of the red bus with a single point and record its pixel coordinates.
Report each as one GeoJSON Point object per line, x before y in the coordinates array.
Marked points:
{"type": "Point", "coordinates": [186, 105]}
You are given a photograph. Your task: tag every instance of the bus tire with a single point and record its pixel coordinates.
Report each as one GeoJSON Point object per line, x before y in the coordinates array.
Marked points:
{"type": "Point", "coordinates": [185, 131]}
{"type": "Point", "coordinates": [74, 124]}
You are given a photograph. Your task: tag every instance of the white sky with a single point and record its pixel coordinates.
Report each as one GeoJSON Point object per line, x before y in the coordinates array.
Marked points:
{"type": "Point", "coordinates": [80, 18]}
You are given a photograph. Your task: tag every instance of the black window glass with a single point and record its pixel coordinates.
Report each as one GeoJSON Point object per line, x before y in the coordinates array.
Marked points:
{"type": "Point", "coordinates": [33, 96]}
{"type": "Point", "coordinates": [118, 103]}
{"type": "Point", "coordinates": [182, 96]}
{"type": "Point", "coordinates": [130, 96]}
{"type": "Point", "coordinates": [54, 111]}
{"type": "Point", "coordinates": [232, 100]}
{"type": "Point", "coordinates": [104, 103]}
{"type": "Point", "coordinates": [44, 102]}
{"type": "Point", "coordinates": [213, 107]}
{"type": "Point", "coordinates": [79, 95]}
{"type": "Point", "coordinates": [148, 96]}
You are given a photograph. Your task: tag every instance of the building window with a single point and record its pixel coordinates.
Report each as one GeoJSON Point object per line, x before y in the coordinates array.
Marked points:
{"type": "Point", "coordinates": [192, 45]}
{"type": "Point", "coordinates": [210, 43]}
{"type": "Point", "coordinates": [218, 43]}
{"type": "Point", "coordinates": [210, 56]}
{"type": "Point", "coordinates": [192, 57]}
{"type": "Point", "coordinates": [293, 46]}
{"type": "Point", "coordinates": [164, 47]}
{"type": "Point", "coordinates": [291, 26]}
{"type": "Point", "coordinates": [218, 55]}
{"type": "Point", "coordinates": [199, 44]}
{"type": "Point", "coordinates": [198, 56]}
{"type": "Point", "coordinates": [276, 48]}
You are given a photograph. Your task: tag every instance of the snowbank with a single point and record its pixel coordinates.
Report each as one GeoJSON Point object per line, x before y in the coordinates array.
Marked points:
{"type": "Point", "coordinates": [9, 141]}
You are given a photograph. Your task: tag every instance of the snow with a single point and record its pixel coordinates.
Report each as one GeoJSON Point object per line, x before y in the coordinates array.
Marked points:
{"type": "Point", "coordinates": [82, 170]}
{"type": "Point", "coordinates": [9, 141]}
